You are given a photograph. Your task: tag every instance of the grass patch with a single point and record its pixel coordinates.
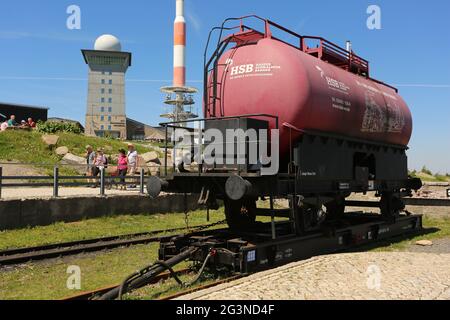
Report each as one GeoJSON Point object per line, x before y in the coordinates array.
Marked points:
{"type": "Point", "coordinates": [49, 281]}
{"type": "Point", "coordinates": [102, 227]}
{"type": "Point", "coordinates": [442, 224]}
{"type": "Point", "coordinates": [28, 147]}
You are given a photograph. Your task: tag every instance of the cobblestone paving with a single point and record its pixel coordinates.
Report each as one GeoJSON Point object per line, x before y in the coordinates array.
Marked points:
{"type": "Point", "coordinates": [352, 276]}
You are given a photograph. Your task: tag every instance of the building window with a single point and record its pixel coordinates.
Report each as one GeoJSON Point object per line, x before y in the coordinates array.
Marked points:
{"type": "Point", "coordinates": [109, 118]}
{"type": "Point", "coordinates": [110, 81]}
{"type": "Point", "coordinates": [110, 73]}
{"type": "Point", "coordinates": [110, 100]}
{"type": "Point", "coordinates": [102, 90]}
{"type": "Point", "coordinates": [103, 81]}
{"type": "Point", "coordinates": [109, 128]}
{"type": "Point", "coordinates": [110, 91]}
{"type": "Point", "coordinates": [102, 109]}
{"type": "Point", "coordinates": [102, 127]}
{"type": "Point", "coordinates": [110, 109]}
{"type": "Point", "coordinates": [102, 100]}
{"type": "Point", "coordinates": [102, 118]}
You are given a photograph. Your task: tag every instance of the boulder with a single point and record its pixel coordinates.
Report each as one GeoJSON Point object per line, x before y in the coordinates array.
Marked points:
{"type": "Point", "coordinates": [169, 162]}
{"type": "Point", "coordinates": [78, 163]}
{"type": "Point", "coordinates": [50, 140]}
{"type": "Point", "coordinates": [111, 170]}
{"type": "Point", "coordinates": [73, 159]}
{"type": "Point", "coordinates": [154, 169]}
{"type": "Point", "coordinates": [424, 243]}
{"type": "Point", "coordinates": [62, 151]}
{"type": "Point", "coordinates": [150, 157]}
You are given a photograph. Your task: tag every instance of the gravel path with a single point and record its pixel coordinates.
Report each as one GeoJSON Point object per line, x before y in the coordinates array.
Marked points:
{"type": "Point", "coordinates": [352, 276]}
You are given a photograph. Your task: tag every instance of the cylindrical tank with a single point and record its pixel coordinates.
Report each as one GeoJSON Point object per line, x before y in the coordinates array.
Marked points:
{"type": "Point", "coordinates": [307, 93]}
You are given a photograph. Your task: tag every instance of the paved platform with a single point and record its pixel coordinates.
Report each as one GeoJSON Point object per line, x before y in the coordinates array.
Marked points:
{"type": "Point", "coordinates": [350, 276]}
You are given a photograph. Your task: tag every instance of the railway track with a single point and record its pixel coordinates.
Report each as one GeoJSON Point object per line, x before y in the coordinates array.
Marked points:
{"type": "Point", "coordinates": [91, 295]}
{"type": "Point", "coordinates": [22, 255]}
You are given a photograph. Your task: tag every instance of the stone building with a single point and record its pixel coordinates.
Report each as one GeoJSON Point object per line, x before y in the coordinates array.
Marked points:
{"type": "Point", "coordinates": [106, 105]}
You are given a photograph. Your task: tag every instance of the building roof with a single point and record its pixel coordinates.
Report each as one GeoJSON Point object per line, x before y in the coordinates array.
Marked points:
{"type": "Point", "coordinates": [103, 52]}
{"type": "Point", "coordinates": [23, 106]}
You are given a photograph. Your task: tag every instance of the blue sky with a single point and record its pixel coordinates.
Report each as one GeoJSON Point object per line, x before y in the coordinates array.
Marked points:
{"type": "Point", "coordinates": [41, 62]}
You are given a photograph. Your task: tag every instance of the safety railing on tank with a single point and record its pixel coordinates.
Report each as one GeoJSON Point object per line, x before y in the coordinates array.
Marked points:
{"type": "Point", "coordinates": [171, 145]}
{"type": "Point", "coordinates": [345, 59]}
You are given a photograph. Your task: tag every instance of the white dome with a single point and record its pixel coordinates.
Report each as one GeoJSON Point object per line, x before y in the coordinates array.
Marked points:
{"type": "Point", "coordinates": [107, 42]}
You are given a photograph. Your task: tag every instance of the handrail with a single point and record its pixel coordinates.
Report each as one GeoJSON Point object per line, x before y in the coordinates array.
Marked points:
{"type": "Point", "coordinates": [56, 181]}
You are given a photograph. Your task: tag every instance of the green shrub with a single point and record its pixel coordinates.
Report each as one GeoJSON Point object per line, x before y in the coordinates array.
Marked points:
{"type": "Point", "coordinates": [426, 171]}
{"type": "Point", "coordinates": [55, 127]}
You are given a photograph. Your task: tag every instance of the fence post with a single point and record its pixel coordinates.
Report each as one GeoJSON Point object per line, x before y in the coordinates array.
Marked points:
{"type": "Point", "coordinates": [142, 181]}
{"type": "Point", "coordinates": [55, 182]}
{"type": "Point", "coordinates": [1, 181]}
{"type": "Point", "coordinates": [102, 182]}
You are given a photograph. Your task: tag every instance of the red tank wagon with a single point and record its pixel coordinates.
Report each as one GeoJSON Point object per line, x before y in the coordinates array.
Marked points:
{"type": "Point", "coordinates": [323, 89]}
{"type": "Point", "coordinates": [340, 130]}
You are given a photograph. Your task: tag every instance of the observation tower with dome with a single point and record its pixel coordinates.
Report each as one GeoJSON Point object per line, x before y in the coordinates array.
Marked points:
{"type": "Point", "coordinates": [105, 112]}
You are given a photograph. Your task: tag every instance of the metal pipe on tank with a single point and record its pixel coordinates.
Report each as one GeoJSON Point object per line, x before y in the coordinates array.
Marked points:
{"type": "Point", "coordinates": [349, 46]}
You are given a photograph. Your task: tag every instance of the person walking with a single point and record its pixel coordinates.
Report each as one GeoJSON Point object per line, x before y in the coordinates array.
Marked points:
{"type": "Point", "coordinates": [90, 159]}
{"type": "Point", "coordinates": [132, 156]}
{"type": "Point", "coordinates": [99, 164]}
{"type": "Point", "coordinates": [122, 167]}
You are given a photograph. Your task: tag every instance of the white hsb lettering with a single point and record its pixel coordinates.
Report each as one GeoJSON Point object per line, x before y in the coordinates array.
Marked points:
{"type": "Point", "coordinates": [242, 69]}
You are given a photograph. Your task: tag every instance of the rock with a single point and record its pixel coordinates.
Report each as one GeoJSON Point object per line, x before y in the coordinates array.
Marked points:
{"type": "Point", "coordinates": [154, 169]}
{"type": "Point", "coordinates": [62, 151]}
{"type": "Point", "coordinates": [111, 170]}
{"type": "Point", "coordinates": [73, 159]}
{"type": "Point", "coordinates": [169, 162]}
{"type": "Point", "coordinates": [78, 163]}
{"type": "Point", "coordinates": [150, 156]}
{"type": "Point", "coordinates": [50, 140]}
{"type": "Point", "coordinates": [424, 243]}
{"type": "Point", "coordinates": [141, 162]}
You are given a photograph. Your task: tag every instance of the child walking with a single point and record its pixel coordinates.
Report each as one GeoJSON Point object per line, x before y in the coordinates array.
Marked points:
{"type": "Point", "coordinates": [122, 167]}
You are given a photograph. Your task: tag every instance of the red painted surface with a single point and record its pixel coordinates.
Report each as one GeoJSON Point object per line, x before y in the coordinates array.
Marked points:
{"type": "Point", "coordinates": [307, 93]}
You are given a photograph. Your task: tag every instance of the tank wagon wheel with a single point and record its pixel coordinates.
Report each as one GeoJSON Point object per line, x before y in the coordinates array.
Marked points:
{"type": "Point", "coordinates": [240, 214]}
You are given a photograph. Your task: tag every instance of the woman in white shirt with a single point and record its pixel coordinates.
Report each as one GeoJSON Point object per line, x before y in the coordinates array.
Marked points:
{"type": "Point", "coordinates": [133, 158]}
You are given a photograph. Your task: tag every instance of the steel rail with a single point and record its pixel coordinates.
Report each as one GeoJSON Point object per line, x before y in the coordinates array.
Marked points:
{"type": "Point", "coordinates": [22, 255]}
{"type": "Point", "coordinates": [89, 295]}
